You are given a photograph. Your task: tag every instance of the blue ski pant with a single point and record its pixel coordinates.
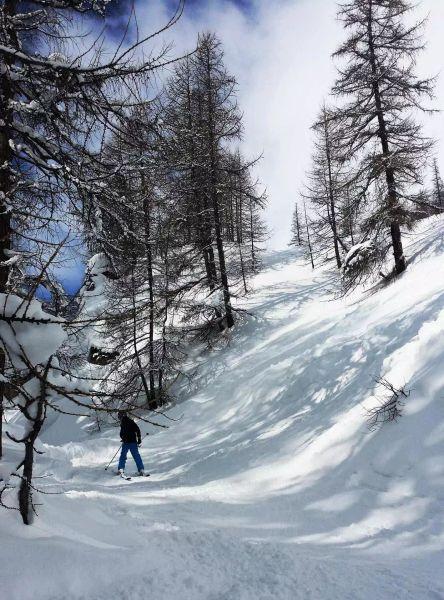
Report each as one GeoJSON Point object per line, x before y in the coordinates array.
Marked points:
{"type": "Point", "coordinates": [133, 448]}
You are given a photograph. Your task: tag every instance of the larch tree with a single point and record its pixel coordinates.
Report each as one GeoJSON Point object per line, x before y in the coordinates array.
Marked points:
{"type": "Point", "coordinates": [159, 221]}
{"type": "Point", "coordinates": [220, 124]}
{"type": "Point", "coordinates": [58, 102]}
{"type": "Point", "coordinates": [256, 230]}
{"type": "Point", "coordinates": [217, 200]}
{"type": "Point", "coordinates": [326, 185]}
{"type": "Point", "coordinates": [296, 237]}
{"type": "Point", "coordinates": [139, 241]}
{"type": "Point", "coordinates": [243, 226]}
{"type": "Point", "coordinates": [186, 158]}
{"type": "Point", "coordinates": [379, 93]}
{"type": "Point", "coordinates": [438, 187]}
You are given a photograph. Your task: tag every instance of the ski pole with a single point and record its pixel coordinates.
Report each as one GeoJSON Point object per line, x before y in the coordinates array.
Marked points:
{"type": "Point", "coordinates": [107, 466]}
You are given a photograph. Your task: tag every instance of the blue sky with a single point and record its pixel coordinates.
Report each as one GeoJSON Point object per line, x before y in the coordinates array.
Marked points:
{"type": "Point", "coordinates": [118, 10]}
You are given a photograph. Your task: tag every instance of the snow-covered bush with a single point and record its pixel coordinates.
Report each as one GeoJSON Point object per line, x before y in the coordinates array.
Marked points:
{"type": "Point", "coordinates": [359, 263]}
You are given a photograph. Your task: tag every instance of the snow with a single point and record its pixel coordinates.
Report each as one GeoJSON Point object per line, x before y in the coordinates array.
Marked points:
{"type": "Point", "coordinates": [357, 254]}
{"type": "Point", "coordinates": [214, 300]}
{"type": "Point", "coordinates": [271, 485]}
{"type": "Point", "coordinates": [35, 338]}
{"type": "Point", "coordinates": [99, 264]}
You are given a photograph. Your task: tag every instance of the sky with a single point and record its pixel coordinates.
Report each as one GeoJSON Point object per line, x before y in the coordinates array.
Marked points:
{"type": "Point", "coordinates": [280, 52]}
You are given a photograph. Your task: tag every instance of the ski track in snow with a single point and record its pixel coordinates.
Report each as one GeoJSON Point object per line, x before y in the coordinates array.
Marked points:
{"type": "Point", "coordinates": [271, 486]}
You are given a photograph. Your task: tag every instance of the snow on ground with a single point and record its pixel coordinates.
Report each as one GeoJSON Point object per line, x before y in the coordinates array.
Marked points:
{"type": "Point", "coordinates": [271, 486]}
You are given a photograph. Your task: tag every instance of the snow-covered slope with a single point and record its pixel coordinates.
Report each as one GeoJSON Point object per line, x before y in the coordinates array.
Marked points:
{"type": "Point", "coordinates": [271, 486]}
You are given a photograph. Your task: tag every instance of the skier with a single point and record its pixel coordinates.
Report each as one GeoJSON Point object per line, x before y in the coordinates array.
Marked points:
{"type": "Point", "coordinates": [131, 440]}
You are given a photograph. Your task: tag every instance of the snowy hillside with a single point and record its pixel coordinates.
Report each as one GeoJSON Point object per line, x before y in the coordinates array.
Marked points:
{"type": "Point", "coordinates": [271, 486]}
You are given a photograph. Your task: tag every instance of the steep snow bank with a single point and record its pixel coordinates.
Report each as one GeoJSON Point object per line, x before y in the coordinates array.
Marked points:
{"type": "Point", "coordinates": [271, 485]}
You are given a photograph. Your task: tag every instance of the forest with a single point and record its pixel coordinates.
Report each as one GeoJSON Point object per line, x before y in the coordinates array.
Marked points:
{"type": "Point", "coordinates": [155, 187]}
{"type": "Point", "coordinates": [289, 381]}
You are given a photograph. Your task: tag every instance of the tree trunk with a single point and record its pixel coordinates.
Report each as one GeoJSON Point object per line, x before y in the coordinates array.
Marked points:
{"type": "Point", "coordinates": [165, 319]}
{"type": "Point", "coordinates": [439, 192]}
{"type": "Point", "coordinates": [203, 226]}
{"type": "Point", "coordinates": [350, 219]}
{"type": "Point", "coordinates": [221, 255]}
{"type": "Point", "coordinates": [215, 202]}
{"type": "Point", "coordinates": [136, 350]}
{"type": "Point", "coordinates": [395, 230]}
{"type": "Point", "coordinates": [298, 227]}
{"type": "Point", "coordinates": [240, 241]}
{"type": "Point", "coordinates": [310, 249]}
{"type": "Point", "coordinates": [210, 265]}
{"type": "Point", "coordinates": [2, 393]}
{"type": "Point", "coordinates": [244, 279]}
{"type": "Point", "coordinates": [25, 491]}
{"type": "Point", "coordinates": [253, 252]}
{"type": "Point", "coordinates": [331, 194]}
{"type": "Point", "coordinates": [6, 115]}
{"type": "Point", "coordinates": [232, 217]}
{"type": "Point", "coordinates": [147, 208]}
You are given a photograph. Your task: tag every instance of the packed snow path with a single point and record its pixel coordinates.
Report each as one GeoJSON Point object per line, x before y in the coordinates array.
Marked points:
{"type": "Point", "coordinates": [271, 485]}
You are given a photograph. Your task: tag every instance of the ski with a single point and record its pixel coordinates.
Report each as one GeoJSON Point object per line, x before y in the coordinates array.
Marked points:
{"type": "Point", "coordinates": [123, 476]}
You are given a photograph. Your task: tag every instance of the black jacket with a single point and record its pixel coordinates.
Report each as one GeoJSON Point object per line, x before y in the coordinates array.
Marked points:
{"type": "Point", "coordinates": [129, 431]}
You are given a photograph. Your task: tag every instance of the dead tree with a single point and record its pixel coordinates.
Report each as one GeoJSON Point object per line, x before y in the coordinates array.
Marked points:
{"type": "Point", "coordinates": [389, 406]}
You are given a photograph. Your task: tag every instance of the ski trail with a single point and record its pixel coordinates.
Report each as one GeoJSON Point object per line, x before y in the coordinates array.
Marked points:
{"type": "Point", "coordinates": [271, 486]}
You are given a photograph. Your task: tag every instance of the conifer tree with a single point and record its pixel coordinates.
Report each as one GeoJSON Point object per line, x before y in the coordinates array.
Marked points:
{"type": "Point", "coordinates": [57, 102]}
{"type": "Point", "coordinates": [438, 187]}
{"type": "Point", "coordinates": [158, 224]}
{"type": "Point", "coordinates": [379, 93]}
{"type": "Point", "coordinates": [296, 238]}
{"type": "Point", "coordinates": [326, 186]}
{"type": "Point", "coordinates": [221, 123]}
{"type": "Point", "coordinates": [216, 197]}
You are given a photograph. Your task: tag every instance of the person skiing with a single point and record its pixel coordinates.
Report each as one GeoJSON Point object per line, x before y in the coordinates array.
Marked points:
{"type": "Point", "coordinates": [131, 440]}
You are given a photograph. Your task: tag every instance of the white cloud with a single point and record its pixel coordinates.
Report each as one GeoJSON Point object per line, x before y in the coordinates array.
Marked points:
{"type": "Point", "coordinates": [280, 54]}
